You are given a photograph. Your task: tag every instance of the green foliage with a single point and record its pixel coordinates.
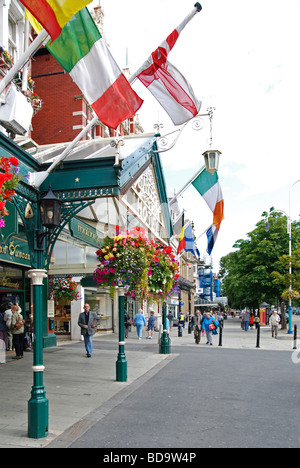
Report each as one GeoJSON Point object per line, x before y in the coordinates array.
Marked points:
{"type": "Point", "coordinates": [258, 270]}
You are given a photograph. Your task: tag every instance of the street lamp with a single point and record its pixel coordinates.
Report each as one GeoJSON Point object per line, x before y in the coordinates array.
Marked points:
{"type": "Point", "coordinates": [38, 412]}
{"type": "Point", "coordinates": [212, 159]}
{"type": "Point", "coordinates": [50, 212]}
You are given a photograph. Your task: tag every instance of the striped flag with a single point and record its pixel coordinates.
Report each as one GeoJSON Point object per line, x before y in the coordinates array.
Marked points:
{"type": "Point", "coordinates": [82, 52]}
{"type": "Point", "coordinates": [53, 15]}
{"type": "Point", "coordinates": [166, 83]}
{"type": "Point", "coordinates": [182, 244]}
{"type": "Point", "coordinates": [189, 241]}
{"type": "Point", "coordinates": [209, 187]}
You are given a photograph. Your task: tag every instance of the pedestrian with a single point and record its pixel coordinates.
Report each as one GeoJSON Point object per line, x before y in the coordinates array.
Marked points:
{"type": "Point", "coordinates": [88, 322]}
{"type": "Point", "coordinates": [209, 325]}
{"type": "Point", "coordinates": [171, 318]}
{"type": "Point", "coordinates": [140, 322]}
{"type": "Point", "coordinates": [7, 319]}
{"type": "Point", "coordinates": [127, 323]}
{"type": "Point", "coordinates": [17, 329]}
{"type": "Point", "coordinates": [274, 322]}
{"type": "Point", "coordinates": [151, 323]}
{"type": "Point", "coordinates": [246, 319]}
{"type": "Point", "coordinates": [197, 327]}
{"type": "Point", "coordinates": [3, 333]}
{"type": "Point", "coordinates": [181, 320]}
{"type": "Point", "coordinates": [256, 320]}
{"type": "Point", "coordinates": [251, 323]}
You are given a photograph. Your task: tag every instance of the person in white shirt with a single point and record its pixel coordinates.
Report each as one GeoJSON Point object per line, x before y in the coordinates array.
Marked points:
{"type": "Point", "coordinates": [274, 322]}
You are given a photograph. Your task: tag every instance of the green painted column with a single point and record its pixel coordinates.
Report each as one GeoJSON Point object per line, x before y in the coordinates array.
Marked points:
{"type": "Point", "coordinates": [38, 408]}
{"type": "Point", "coordinates": [121, 364]}
{"type": "Point", "coordinates": [165, 341]}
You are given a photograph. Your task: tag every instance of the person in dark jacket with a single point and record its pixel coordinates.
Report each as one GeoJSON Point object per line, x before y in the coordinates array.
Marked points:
{"type": "Point", "coordinates": [151, 323]}
{"type": "Point", "coordinates": [88, 322]}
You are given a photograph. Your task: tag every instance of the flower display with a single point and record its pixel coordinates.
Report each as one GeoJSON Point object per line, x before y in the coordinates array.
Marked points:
{"type": "Point", "coordinates": [290, 294]}
{"type": "Point", "coordinates": [163, 272]}
{"type": "Point", "coordinates": [9, 179]}
{"type": "Point", "coordinates": [145, 269]}
{"type": "Point", "coordinates": [66, 289]}
{"type": "Point", "coordinates": [5, 58]}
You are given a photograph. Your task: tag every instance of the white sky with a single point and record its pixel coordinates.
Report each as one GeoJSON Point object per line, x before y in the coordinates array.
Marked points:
{"type": "Point", "coordinates": [243, 59]}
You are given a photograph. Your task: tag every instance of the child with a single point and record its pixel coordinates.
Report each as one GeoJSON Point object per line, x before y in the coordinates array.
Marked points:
{"type": "Point", "coordinates": [151, 323]}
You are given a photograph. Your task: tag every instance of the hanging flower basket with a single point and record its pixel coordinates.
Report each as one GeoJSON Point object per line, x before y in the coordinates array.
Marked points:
{"type": "Point", "coordinates": [290, 294]}
{"type": "Point", "coordinates": [9, 180]}
{"type": "Point", "coordinates": [163, 273]}
{"type": "Point", "coordinates": [66, 289]}
{"type": "Point", "coordinates": [144, 268]}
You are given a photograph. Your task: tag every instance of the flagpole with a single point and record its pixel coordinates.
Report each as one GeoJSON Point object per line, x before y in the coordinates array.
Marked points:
{"type": "Point", "coordinates": [34, 46]}
{"type": "Point", "coordinates": [183, 24]}
{"type": "Point", "coordinates": [187, 185]}
{"type": "Point", "coordinates": [37, 178]}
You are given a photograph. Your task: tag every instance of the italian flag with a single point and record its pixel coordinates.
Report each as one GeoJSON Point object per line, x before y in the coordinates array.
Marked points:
{"type": "Point", "coordinates": [209, 187]}
{"type": "Point", "coordinates": [53, 15]}
{"type": "Point", "coordinates": [82, 52]}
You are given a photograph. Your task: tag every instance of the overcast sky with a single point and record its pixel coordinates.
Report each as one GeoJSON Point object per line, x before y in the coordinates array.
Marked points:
{"type": "Point", "coordinates": [243, 59]}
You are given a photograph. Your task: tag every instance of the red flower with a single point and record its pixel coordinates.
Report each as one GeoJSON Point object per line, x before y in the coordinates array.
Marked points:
{"type": "Point", "coordinates": [13, 161]}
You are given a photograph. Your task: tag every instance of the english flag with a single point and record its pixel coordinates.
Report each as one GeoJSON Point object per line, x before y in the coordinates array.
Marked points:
{"type": "Point", "coordinates": [165, 81]}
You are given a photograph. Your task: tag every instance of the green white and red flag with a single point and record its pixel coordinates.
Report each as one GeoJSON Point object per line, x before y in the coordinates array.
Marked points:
{"type": "Point", "coordinates": [82, 52]}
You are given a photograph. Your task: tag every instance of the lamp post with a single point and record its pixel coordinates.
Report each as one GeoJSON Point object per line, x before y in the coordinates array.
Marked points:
{"type": "Point", "coordinates": [165, 342]}
{"type": "Point", "coordinates": [289, 230]}
{"type": "Point", "coordinates": [121, 364]}
{"type": "Point", "coordinates": [49, 217]}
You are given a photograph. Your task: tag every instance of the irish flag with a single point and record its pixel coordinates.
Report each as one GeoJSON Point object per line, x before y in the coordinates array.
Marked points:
{"type": "Point", "coordinates": [82, 52]}
{"type": "Point", "coordinates": [53, 15]}
{"type": "Point", "coordinates": [209, 187]}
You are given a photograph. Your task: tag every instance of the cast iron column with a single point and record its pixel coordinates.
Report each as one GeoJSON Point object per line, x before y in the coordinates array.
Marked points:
{"type": "Point", "coordinates": [165, 342]}
{"type": "Point", "coordinates": [121, 364]}
{"type": "Point", "coordinates": [38, 404]}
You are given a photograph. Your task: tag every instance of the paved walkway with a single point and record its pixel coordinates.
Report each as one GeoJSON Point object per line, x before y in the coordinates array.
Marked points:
{"type": "Point", "coordinates": [77, 386]}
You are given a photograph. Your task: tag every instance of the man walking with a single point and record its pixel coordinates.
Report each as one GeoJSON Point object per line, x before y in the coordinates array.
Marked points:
{"type": "Point", "coordinates": [88, 322]}
{"type": "Point", "coordinates": [274, 322]}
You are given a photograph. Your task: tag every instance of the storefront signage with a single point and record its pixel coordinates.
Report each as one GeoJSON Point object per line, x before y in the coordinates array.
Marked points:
{"type": "Point", "coordinates": [16, 251]}
{"type": "Point", "coordinates": [84, 232]}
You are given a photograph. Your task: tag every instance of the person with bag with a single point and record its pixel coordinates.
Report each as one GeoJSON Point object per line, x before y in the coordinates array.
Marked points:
{"type": "Point", "coordinates": [209, 324]}
{"type": "Point", "coordinates": [17, 329]}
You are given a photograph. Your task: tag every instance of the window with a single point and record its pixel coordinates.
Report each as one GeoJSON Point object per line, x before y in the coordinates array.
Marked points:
{"type": "Point", "coordinates": [12, 37]}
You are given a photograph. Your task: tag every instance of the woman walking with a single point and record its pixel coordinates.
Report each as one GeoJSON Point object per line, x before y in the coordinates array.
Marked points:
{"type": "Point", "coordinates": [140, 322]}
{"type": "Point", "coordinates": [209, 324]}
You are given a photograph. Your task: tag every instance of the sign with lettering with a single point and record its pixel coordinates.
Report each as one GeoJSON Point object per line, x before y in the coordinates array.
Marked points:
{"type": "Point", "coordinates": [85, 232]}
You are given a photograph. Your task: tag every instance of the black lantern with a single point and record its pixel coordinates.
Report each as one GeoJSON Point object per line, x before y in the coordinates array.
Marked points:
{"type": "Point", "coordinates": [50, 208]}
{"type": "Point", "coordinates": [50, 211]}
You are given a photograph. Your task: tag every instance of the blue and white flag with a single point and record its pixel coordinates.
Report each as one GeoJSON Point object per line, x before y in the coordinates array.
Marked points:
{"type": "Point", "coordinates": [189, 241]}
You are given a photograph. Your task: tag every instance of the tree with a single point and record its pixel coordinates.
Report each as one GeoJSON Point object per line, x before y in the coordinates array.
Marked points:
{"type": "Point", "coordinates": [248, 274]}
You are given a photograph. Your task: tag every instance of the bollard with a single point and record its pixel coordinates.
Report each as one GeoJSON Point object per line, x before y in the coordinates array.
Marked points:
{"type": "Point", "coordinates": [221, 336]}
{"type": "Point", "coordinates": [190, 329]}
{"type": "Point", "coordinates": [179, 330]}
{"type": "Point", "coordinates": [258, 336]}
{"type": "Point", "coordinates": [295, 337]}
